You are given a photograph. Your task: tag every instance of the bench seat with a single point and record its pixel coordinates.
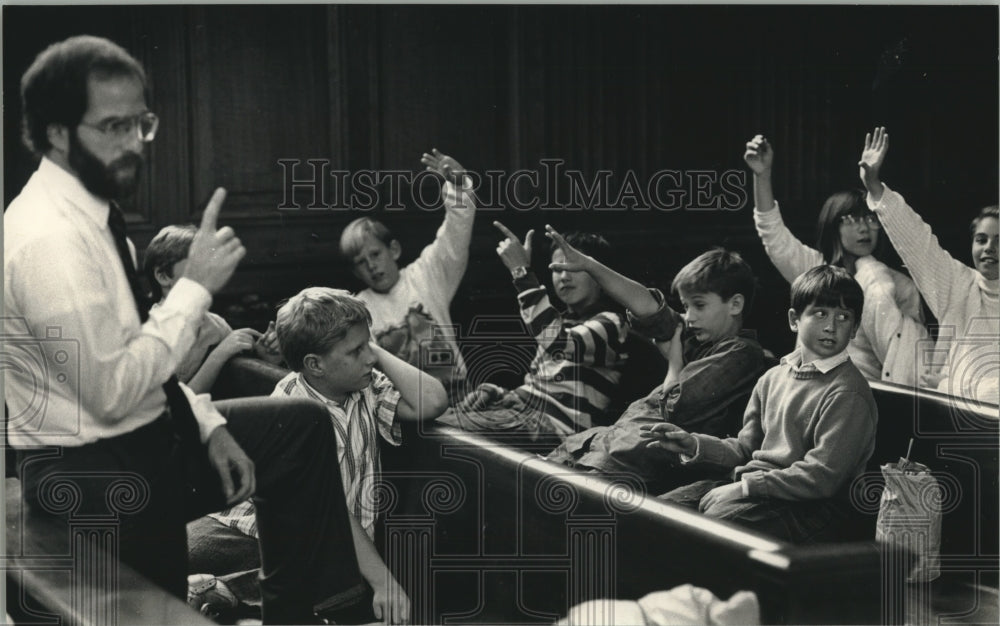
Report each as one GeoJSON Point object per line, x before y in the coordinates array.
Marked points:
{"type": "Point", "coordinates": [73, 589]}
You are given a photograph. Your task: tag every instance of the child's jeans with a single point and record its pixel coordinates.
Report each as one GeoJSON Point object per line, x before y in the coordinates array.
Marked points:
{"type": "Point", "coordinates": [797, 521]}
{"type": "Point", "coordinates": [505, 415]}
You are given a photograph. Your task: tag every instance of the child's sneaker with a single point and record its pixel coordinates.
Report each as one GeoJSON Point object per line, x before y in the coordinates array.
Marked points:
{"type": "Point", "coordinates": [210, 596]}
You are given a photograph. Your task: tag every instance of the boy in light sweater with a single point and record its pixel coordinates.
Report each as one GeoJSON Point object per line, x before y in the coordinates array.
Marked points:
{"type": "Point", "coordinates": [410, 305]}
{"type": "Point", "coordinates": [808, 430]}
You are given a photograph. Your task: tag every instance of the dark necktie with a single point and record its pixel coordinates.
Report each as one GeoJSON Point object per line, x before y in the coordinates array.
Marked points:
{"type": "Point", "coordinates": [182, 417]}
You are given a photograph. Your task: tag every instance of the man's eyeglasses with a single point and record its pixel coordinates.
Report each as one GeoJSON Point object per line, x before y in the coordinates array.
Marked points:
{"type": "Point", "coordinates": [870, 220]}
{"type": "Point", "coordinates": [143, 125]}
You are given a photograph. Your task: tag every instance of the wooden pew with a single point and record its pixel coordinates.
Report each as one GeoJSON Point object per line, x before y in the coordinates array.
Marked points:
{"type": "Point", "coordinates": [505, 536]}
{"type": "Point", "coordinates": [958, 441]}
{"type": "Point", "coordinates": [481, 532]}
{"type": "Point", "coordinates": [73, 588]}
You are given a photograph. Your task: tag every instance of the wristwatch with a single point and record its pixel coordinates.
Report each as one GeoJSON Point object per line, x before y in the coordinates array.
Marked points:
{"type": "Point", "coordinates": [519, 272]}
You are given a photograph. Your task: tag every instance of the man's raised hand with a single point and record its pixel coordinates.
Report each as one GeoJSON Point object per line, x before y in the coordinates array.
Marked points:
{"type": "Point", "coordinates": [214, 253]}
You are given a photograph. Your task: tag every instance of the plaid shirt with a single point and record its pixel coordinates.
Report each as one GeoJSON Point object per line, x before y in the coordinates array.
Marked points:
{"type": "Point", "coordinates": [365, 416]}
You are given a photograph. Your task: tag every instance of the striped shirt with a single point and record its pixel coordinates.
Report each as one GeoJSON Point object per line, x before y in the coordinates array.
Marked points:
{"type": "Point", "coordinates": [576, 371]}
{"type": "Point", "coordinates": [359, 422]}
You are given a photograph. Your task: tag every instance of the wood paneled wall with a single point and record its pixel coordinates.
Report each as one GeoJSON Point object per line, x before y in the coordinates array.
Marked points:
{"type": "Point", "coordinates": [631, 90]}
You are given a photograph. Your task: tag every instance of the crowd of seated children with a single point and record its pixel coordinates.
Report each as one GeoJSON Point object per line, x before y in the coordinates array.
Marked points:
{"type": "Point", "coordinates": [966, 301]}
{"type": "Point", "coordinates": [410, 306]}
{"type": "Point", "coordinates": [849, 236]}
{"type": "Point", "coordinates": [576, 370]}
{"type": "Point", "coordinates": [713, 363]}
{"type": "Point", "coordinates": [775, 451]}
{"type": "Point", "coordinates": [325, 337]}
{"type": "Point", "coordinates": [808, 431]}
{"type": "Point", "coordinates": [215, 342]}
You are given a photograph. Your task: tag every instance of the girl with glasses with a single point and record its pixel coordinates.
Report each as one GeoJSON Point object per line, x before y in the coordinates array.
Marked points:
{"type": "Point", "coordinates": [850, 236]}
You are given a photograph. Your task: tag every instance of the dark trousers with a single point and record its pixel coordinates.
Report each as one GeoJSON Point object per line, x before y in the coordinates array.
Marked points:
{"type": "Point", "coordinates": [797, 521]}
{"type": "Point", "coordinates": [141, 484]}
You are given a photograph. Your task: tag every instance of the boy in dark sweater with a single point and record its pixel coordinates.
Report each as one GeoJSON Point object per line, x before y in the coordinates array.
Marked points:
{"type": "Point", "coordinates": [808, 430]}
{"type": "Point", "coordinates": [713, 364]}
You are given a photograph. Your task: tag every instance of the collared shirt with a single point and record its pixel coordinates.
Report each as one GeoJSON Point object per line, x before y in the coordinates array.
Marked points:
{"type": "Point", "coordinates": [798, 370]}
{"type": "Point", "coordinates": [794, 360]}
{"type": "Point", "coordinates": [805, 433]}
{"type": "Point", "coordinates": [366, 415]}
{"type": "Point", "coordinates": [82, 366]}
{"type": "Point", "coordinates": [710, 392]}
{"type": "Point", "coordinates": [892, 323]}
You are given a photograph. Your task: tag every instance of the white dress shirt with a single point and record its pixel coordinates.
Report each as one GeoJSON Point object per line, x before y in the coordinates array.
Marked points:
{"type": "Point", "coordinates": [78, 365]}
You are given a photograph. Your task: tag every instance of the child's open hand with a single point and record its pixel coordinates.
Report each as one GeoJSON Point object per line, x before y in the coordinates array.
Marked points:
{"type": "Point", "coordinates": [669, 437]}
{"type": "Point", "coordinates": [510, 250]}
{"type": "Point", "coordinates": [759, 155]}
{"type": "Point", "coordinates": [573, 259]}
{"type": "Point", "coordinates": [872, 158]}
{"type": "Point", "coordinates": [445, 166]}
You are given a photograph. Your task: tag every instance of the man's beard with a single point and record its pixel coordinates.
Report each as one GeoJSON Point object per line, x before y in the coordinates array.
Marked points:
{"type": "Point", "coordinates": [115, 181]}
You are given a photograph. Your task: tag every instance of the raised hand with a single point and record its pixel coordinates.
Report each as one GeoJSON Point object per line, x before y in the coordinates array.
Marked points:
{"type": "Point", "coordinates": [511, 251]}
{"type": "Point", "coordinates": [214, 253]}
{"type": "Point", "coordinates": [573, 259]}
{"type": "Point", "coordinates": [444, 165]}
{"type": "Point", "coordinates": [759, 155]}
{"type": "Point", "coordinates": [872, 158]}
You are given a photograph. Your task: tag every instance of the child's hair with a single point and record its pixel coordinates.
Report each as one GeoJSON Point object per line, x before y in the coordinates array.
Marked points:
{"type": "Point", "coordinates": [717, 271]}
{"type": "Point", "coordinates": [169, 246]}
{"type": "Point", "coordinates": [595, 246]}
{"type": "Point", "coordinates": [828, 229]}
{"type": "Point", "coordinates": [353, 237]}
{"type": "Point", "coordinates": [590, 244]}
{"type": "Point", "coordinates": [989, 211]}
{"type": "Point", "coordinates": [314, 320]}
{"type": "Point", "coordinates": [828, 286]}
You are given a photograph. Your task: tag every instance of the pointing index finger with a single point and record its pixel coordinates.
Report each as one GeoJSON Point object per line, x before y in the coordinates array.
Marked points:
{"type": "Point", "coordinates": [555, 236]}
{"type": "Point", "coordinates": [210, 219]}
{"type": "Point", "coordinates": [506, 231]}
